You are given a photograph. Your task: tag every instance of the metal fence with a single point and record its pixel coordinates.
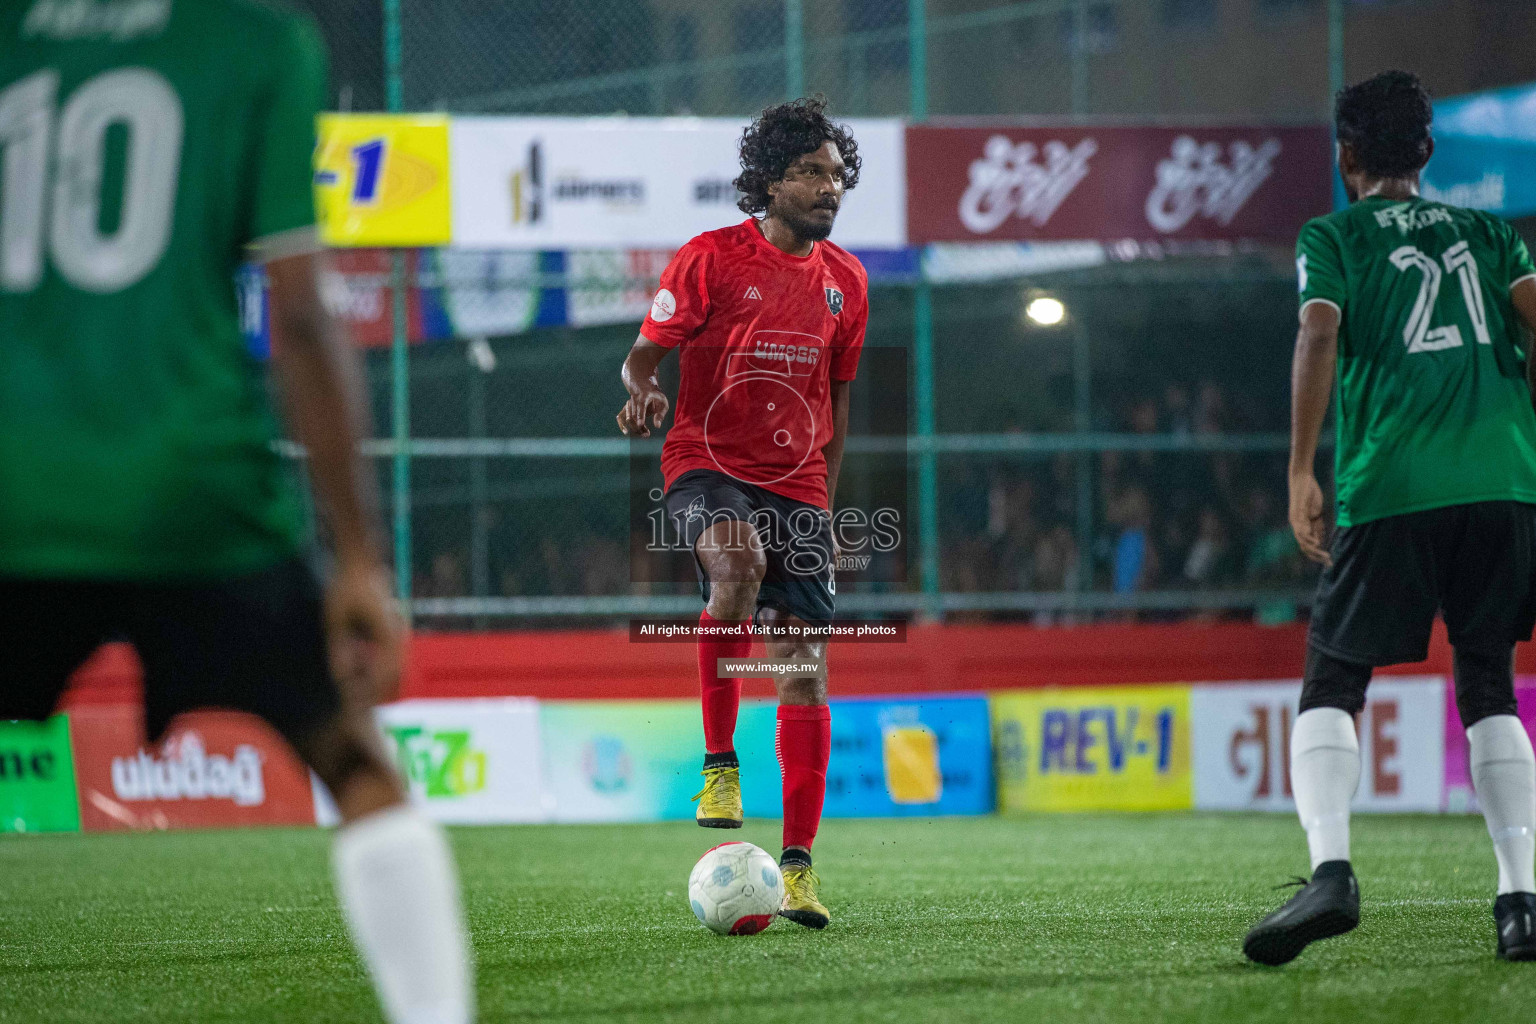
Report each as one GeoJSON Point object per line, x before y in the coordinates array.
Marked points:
{"type": "Point", "coordinates": [1153, 419]}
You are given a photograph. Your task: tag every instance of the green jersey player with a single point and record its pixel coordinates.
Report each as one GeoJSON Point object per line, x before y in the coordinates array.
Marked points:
{"type": "Point", "coordinates": [150, 146]}
{"type": "Point", "coordinates": [1417, 307]}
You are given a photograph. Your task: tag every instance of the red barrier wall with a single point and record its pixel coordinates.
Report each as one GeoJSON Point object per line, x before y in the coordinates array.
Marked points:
{"type": "Point", "coordinates": [595, 664]}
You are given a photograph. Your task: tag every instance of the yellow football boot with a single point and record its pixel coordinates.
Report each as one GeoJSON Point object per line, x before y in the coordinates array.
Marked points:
{"type": "Point", "coordinates": [800, 903]}
{"type": "Point", "coordinates": [720, 799]}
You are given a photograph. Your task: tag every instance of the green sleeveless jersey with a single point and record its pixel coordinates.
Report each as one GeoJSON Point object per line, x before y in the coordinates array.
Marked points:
{"type": "Point", "coordinates": [1433, 407]}
{"type": "Point", "coordinates": [147, 148]}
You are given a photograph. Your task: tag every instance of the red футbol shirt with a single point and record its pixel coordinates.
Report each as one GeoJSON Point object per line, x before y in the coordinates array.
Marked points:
{"type": "Point", "coordinates": [760, 335]}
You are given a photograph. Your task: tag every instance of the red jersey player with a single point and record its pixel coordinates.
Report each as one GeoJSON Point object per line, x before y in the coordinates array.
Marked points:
{"type": "Point", "coordinates": [768, 317]}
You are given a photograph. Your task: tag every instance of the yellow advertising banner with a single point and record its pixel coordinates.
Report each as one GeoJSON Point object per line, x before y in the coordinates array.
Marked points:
{"type": "Point", "coordinates": [1123, 748]}
{"type": "Point", "coordinates": [382, 180]}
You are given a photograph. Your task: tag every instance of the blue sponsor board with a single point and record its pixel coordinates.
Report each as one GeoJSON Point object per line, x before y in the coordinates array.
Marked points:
{"type": "Point", "coordinates": [890, 758]}
{"type": "Point", "coordinates": [1485, 152]}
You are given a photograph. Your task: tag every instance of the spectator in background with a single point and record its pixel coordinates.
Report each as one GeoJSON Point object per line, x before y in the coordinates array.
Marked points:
{"type": "Point", "coordinates": [1212, 560]}
{"type": "Point", "coordinates": [446, 576]}
{"type": "Point", "coordinates": [1135, 559]}
{"type": "Point", "coordinates": [1178, 412]}
{"type": "Point", "coordinates": [604, 568]}
{"type": "Point", "coordinates": [1210, 413]}
{"type": "Point", "coordinates": [1055, 567]}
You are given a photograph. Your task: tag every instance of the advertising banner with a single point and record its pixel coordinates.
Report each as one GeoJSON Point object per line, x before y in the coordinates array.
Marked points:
{"type": "Point", "coordinates": [1121, 748]}
{"type": "Point", "coordinates": [37, 777]}
{"type": "Point", "coordinates": [1459, 795]}
{"type": "Point", "coordinates": [636, 760]}
{"type": "Point", "coordinates": [382, 179]}
{"type": "Point", "coordinates": [213, 768]}
{"type": "Point", "coordinates": [1242, 745]}
{"type": "Point", "coordinates": [926, 756]}
{"type": "Point", "coordinates": [640, 760]}
{"type": "Point", "coordinates": [465, 762]}
{"type": "Point", "coordinates": [1014, 183]}
{"type": "Point", "coordinates": [637, 182]}
{"type": "Point", "coordinates": [1485, 152]}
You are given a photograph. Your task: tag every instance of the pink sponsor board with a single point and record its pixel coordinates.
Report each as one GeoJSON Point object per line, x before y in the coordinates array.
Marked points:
{"type": "Point", "coordinates": [1458, 778]}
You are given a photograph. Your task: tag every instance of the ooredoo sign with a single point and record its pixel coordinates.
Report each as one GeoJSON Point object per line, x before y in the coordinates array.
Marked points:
{"type": "Point", "coordinates": [1003, 183]}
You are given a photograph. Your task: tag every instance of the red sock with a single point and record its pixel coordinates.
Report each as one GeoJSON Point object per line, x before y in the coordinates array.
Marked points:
{"type": "Point", "coordinates": [804, 744]}
{"type": "Point", "coordinates": [721, 697]}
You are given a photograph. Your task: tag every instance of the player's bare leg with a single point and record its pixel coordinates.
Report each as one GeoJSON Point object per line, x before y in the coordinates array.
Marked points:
{"type": "Point", "coordinates": [394, 878]}
{"type": "Point", "coordinates": [804, 744]}
{"type": "Point", "coordinates": [731, 554]}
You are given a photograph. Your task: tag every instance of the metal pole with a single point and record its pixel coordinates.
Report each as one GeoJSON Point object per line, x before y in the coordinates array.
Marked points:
{"type": "Point", "coordinates": [917, 60]}
{"type": "Point", "coordinates": [479, 486]}
{"type": "Point", "coordinates": [1079, 57]}
{"type": "Point", "coordinates": [1336, 81]}
{"type": "Point", "coordinates": [794, 48]}
{"type": "Point", "coordinates": [1082, 422]}
{"type": "Point", "coordinates": [394, 84]}
{"type": "Point", "coordinates": [927, 458]}
{"type": "Point", "coordinates": [394, 92]}
{"type": "Point", "coordinates": [922, 339]}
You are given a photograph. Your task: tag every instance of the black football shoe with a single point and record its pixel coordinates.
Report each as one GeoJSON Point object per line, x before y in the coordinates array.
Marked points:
{"type": "Point", "coordinates": [1515, 915]}
{"type": "Point", "coordinates": [1326, 906]}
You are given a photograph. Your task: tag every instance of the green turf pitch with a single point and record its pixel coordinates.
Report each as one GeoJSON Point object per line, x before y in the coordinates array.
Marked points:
{"type": "Point", "coordinates": [1060, 918]}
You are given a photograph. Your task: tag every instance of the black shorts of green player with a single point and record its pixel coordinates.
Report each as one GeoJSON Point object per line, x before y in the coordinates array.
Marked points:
{"type": "Point", "coordinates": [253, 643]}
{"type": "Point", "coordinates": [796, 539]}
{"type": "Point", "coordinates": [1377, 602]}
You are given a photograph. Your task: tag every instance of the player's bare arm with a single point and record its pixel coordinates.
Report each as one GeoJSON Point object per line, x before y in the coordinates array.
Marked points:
{"type": "Point", "coordinates": [1523, 296]}
{"type": "Point", "coordinates": [648, 405]}
{"type": "Point", "coordinates": [322, 389]}
{"type": "Point", "coordinates": [1312, 369]}
{"type": "Point", "coordinates": [834, 447]}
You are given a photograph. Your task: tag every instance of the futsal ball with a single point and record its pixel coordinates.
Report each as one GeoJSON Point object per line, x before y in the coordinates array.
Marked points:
{"type": "Point", "coordinates": [736, 889]}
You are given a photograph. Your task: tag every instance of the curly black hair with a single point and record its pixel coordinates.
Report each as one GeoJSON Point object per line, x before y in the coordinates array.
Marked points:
{"type": "Point", "coordinates": [781, 135]}
{"type": "Point", "coordinates": [1385, 120]}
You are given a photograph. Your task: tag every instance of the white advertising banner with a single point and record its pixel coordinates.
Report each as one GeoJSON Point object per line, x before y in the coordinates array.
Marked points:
{"type": "Point", "coordinates": [465, 762]}
{"type": "Point", "coordinates": [638, 182]}
{"type": "Point", "coordinates": [1241, 739]}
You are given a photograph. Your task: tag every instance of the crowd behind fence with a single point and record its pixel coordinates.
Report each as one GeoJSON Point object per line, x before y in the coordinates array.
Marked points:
{"type": "Point", "coordinates": [1126, 463]}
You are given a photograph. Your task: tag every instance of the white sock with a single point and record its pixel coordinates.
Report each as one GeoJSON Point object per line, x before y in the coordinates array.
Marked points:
{"type": "Point", "coordinates": [1504, 775]}
{"type": "Point", "coordinates": [396, 884]}
{"type": "Point", "coordinates": [1325, 769]}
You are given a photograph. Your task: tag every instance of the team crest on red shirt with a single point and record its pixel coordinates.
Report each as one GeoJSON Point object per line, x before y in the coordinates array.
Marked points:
{"type": "Point", "coordinates": [834, 301]}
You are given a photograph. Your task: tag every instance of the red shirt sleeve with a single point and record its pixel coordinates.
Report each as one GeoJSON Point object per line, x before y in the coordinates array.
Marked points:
{"type": "Point", "coordinates": [849, 343]}
{"type": "Point", "coordinates": [682, 303]}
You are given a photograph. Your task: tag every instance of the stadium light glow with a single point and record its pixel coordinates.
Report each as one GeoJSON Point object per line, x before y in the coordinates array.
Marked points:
{"type": "Point", "coordinates": [1046, 311]}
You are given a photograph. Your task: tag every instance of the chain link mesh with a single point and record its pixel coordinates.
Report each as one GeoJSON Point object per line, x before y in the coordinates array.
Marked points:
{"type": "Point", "coordinates": [1035, 525]}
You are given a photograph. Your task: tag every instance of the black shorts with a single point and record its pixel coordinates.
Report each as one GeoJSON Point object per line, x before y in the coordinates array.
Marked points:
{"type": "Point", "coordinates": [253, 643]}
{"type": "Point", "coordinates": [796, 538]}
{"type": "Point", "coordinates": [1376, 603]}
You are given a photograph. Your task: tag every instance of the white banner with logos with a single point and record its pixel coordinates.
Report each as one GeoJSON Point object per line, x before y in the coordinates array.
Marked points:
{"type": "Point", "coordinates": [1241, 739]}
{"type": "Point", "coordinates": [465, 762]}
{"type": "Point", "coordinates": [638, 182]}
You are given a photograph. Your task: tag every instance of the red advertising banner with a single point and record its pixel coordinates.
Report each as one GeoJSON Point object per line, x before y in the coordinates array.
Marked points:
{"type": "Point", "coordinates": [1008, 183]}
{"type": "Point", "coordinates": [213, 769]}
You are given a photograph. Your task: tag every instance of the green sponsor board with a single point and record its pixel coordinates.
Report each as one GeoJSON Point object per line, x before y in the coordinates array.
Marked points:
{"type": "Point", "coordinates": [37, 777]}
{"type": "Point", "coordinates": [438, 762]}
